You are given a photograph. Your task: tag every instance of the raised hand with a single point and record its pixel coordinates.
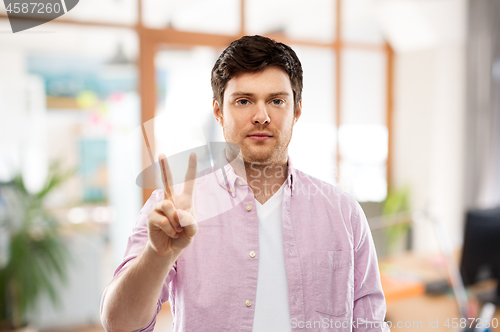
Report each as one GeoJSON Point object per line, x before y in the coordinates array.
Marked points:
{"type": "Point", "coordinates": [172, 224]}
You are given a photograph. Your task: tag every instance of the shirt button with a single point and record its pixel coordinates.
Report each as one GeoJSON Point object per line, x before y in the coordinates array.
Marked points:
{"type": "Point", "coordinates": [293, 187]}
{"type": "Point", "coordinates": [252, 254]}
{"type": "Point", "coordinates": [240, 182]}
{"type": "Point", "coordinates": [248, 303]}
{"type": "Point", "coordinates": [230, 189]}
{"type": "Point", "coordinates": [249, 207]}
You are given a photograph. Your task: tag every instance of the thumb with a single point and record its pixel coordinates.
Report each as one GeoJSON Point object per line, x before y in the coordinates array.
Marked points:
{"type": "Point", "coordinates": [187, 222]}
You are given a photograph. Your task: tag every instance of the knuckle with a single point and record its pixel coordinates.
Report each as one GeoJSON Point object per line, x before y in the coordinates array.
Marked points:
{"type": "Point", "coordinates": [166, 204]}
{"type": "Point", "coordinates": [163, 222]}
{"type": "Point", "coordinates": [173, 222]}
{"type": "Point", "coordinates": [163, 206]}
{"type": "Point", "coordinates": [152, 216]}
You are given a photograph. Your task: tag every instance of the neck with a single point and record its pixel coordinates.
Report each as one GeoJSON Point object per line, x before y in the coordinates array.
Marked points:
{"type": "Point", "coordinates": [265, 179]}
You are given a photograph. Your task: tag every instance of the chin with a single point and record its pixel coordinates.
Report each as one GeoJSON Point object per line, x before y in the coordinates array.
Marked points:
{"type": "Point", "coordinates": [259, 154]}
{"type": "Point", "coordinates": [262, 159]}
{"type": "Point", "coordinates": [255, 157]}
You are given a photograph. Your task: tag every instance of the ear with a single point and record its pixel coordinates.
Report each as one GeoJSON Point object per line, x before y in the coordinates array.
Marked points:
{"type": "Point", "coordinates": [298, 112]}
{"type": "Point", "coordinates": [217, 112]}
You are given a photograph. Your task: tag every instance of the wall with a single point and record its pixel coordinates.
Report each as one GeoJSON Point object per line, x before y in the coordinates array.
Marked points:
{"type": "Point", "coordinates": [429, 121]}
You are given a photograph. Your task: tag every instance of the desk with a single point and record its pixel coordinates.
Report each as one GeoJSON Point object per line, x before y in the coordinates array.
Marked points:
{"type": "Point", "coordinates": [403, 279]}
{"type": "Point", "coordinates": [405, 275]}
{"type": "Point", "coordinates": [426, 309]}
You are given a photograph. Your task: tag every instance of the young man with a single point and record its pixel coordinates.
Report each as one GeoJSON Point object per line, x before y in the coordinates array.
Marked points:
{"type": "Point", "coordinates": [293, 252]}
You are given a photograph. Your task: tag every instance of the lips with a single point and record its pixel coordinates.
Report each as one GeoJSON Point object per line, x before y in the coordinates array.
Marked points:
{"type": "Point", "coordinates": [260, 135]}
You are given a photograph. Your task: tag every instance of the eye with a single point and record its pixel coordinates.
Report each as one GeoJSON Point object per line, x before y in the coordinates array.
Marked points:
{"type": "Point", "coordinates": [277, 102]}
{"type": "Point", "coordinates": [242, 102]}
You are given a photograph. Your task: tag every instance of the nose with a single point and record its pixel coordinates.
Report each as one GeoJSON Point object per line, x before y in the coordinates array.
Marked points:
{"type": "Point", "coordinates": [261, 116]}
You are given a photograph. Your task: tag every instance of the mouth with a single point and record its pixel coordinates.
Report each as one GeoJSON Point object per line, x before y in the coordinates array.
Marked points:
{"type": "Point", "coordinates": [260, 136]}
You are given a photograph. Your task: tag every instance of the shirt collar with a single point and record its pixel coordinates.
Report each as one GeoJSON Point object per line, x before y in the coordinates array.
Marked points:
{"type": "Point", "coordinates": [227, 177]}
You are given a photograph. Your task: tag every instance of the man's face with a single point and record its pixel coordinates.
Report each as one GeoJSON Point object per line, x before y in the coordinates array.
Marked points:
{"type": "Point", "coordinates": [258, 116]}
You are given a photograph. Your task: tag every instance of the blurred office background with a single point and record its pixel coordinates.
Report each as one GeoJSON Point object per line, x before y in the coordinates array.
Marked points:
{"type": "Point", "coordinates": [401, 109]}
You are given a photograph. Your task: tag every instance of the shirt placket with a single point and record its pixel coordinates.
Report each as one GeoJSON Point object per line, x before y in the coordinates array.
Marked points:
{"type": "Point", "coordinates": [251, 260]}
{"type": "Point", "coordinates": [292, 260]}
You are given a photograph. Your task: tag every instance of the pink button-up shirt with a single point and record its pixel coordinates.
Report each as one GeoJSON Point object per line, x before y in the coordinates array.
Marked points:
{"type": "Point", "coordinates": [331, 264]}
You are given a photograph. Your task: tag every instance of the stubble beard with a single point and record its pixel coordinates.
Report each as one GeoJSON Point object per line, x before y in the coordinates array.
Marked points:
{"type": "Point", "coordinates": [277, 153]}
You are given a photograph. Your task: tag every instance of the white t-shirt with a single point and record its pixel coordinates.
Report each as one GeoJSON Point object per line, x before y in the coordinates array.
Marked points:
{"type": "Point", "coordinates": [272, 311]}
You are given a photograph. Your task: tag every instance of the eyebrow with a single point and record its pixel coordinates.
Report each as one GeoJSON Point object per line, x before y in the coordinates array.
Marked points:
{"type": "Point", "coordinates": [247, 94]}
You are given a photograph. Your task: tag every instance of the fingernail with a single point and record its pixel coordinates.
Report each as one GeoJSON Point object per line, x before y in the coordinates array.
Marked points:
{"type": "Point", "coordinates": [180, 214]}
{"type": "Point", "coordinates": [176, 235]}
{"type": "Point", "coordinates": [179, 228]}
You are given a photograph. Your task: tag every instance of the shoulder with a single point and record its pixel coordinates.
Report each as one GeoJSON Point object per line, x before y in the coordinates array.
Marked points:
{"type": "Point", "coordinates": [156, 196]}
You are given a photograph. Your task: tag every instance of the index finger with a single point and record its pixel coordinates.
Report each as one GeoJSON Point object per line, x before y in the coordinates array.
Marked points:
{"type": "Point", "coordinates": [166, 177]}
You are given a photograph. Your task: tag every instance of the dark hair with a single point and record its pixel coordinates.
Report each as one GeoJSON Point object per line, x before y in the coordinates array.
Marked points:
{"type": "Point", "coordinates": [251, 54]}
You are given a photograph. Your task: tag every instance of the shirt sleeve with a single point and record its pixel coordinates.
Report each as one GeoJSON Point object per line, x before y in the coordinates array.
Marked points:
{"type": "Point", "coordinates": [136, 243]}
{"type": "Point", "coordinates": [369, 300]}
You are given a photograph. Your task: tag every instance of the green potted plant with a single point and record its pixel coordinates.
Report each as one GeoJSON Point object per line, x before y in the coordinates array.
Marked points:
{"type": "Point", "coordinates": [396, 202]}
{"type": "Point", "coordinates": [36, 256]}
